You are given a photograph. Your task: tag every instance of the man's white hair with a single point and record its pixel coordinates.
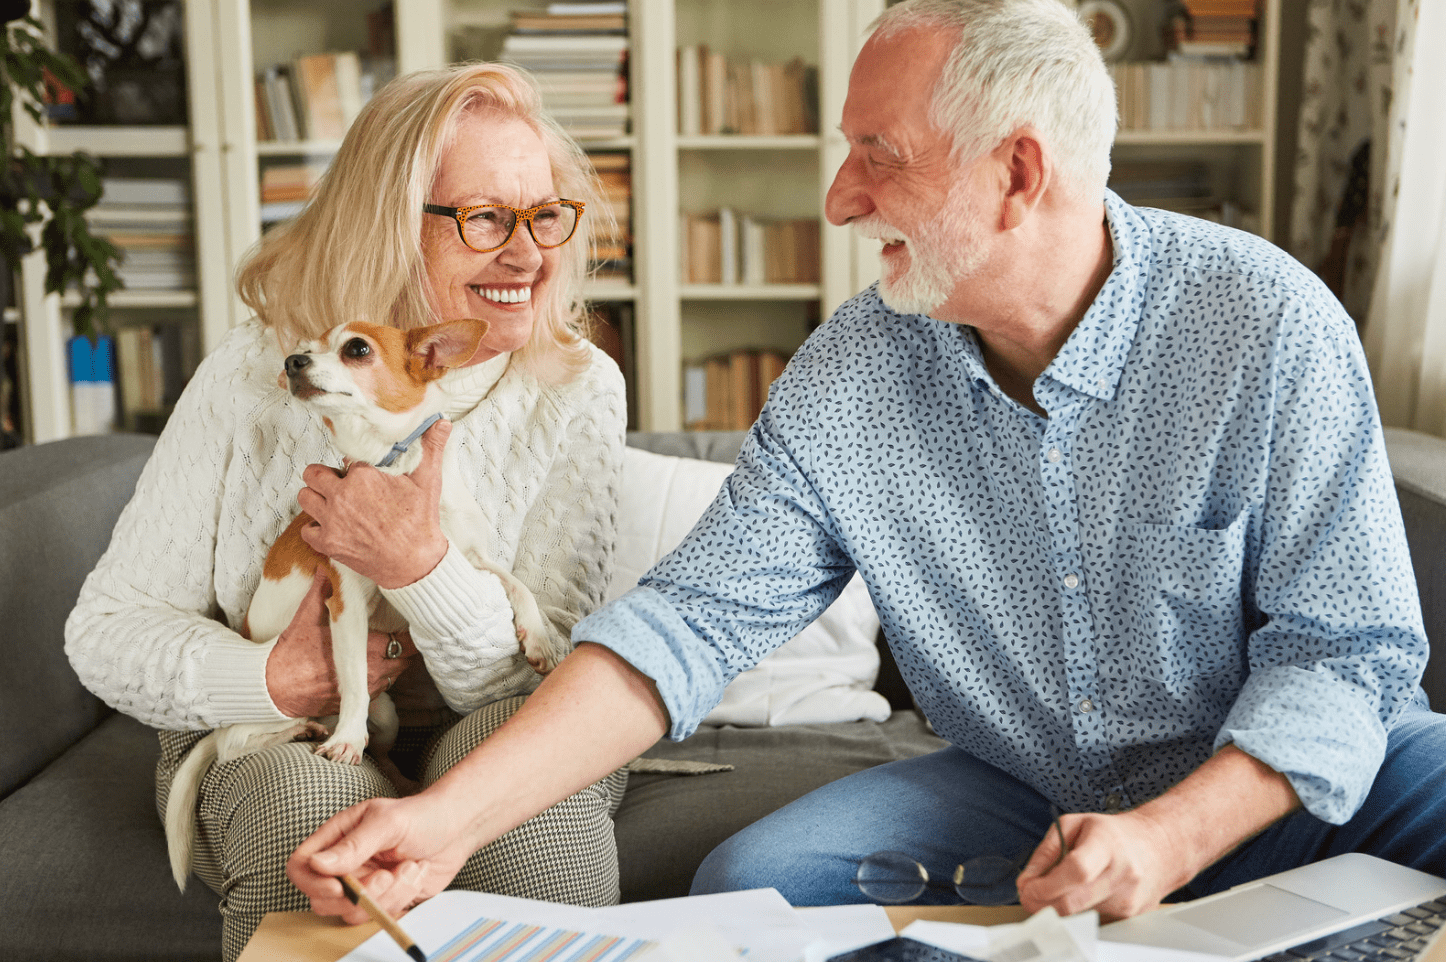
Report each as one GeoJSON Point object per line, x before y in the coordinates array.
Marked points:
{"type": "Point", "coordinates": [1019, 62]}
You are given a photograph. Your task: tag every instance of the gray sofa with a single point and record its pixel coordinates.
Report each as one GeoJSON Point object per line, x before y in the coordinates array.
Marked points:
{"type": "Point", "coordinates": [83, 873]}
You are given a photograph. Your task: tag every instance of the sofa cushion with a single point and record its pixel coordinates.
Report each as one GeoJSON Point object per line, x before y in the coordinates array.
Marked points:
{"type": "Point", "coordinates": [667, 824]}
{"type": "Point", "coordinates": [1417, 463]}
{"type": "Point", "coordinates": [58, 503]}
{"type": "Point", "coordinates": [86, 872]}
{"type": "Point", "coordinates": [825, 673]}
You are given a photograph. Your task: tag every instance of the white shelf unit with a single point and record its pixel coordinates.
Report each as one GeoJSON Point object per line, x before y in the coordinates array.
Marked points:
{"type": "Point", "coordinates": [673, 321]}
{"type": "Point", "coordinates": [44, 320]}
{"type": "Point", "coordinates": [1241, 163]}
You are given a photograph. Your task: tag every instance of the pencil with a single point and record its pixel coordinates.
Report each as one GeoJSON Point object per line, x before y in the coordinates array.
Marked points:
{"type": "Point", "coordinates": [359, 896]}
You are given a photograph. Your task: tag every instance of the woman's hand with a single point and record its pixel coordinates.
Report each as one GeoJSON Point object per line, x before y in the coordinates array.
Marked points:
{"type": "Point", "coordinates": [384, 527]}
{"type": "Point", "coordinates": [404, 851]}
{"type": "Point", "coordinates": [300, 675]}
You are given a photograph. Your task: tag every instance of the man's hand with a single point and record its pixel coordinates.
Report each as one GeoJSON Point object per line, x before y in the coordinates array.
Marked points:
{"type": "Point", "coordinates": [404, 851]}
{"type": "Point", "coordinates": [1120, 865]}
{"type": "Point", "coordinates": [300, 675]}
{"type": "Point", "coordinates": [384, 527]}
{"type": "Point", "coordinates": [1124, 864]}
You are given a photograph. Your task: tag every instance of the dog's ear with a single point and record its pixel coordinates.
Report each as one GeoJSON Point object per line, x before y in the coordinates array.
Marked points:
{"type": "Point", "coordinates": [441, 347]}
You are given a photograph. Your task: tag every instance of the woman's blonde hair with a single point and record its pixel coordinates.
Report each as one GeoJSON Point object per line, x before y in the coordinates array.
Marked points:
{"type": "Point", "coordinates": [355, 251]}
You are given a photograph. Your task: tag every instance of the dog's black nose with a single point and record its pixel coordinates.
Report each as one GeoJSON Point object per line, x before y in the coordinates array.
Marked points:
{"type": "Point", "coordinates": [297, 363]}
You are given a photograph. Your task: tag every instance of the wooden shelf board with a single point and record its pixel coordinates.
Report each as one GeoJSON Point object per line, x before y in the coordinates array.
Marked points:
{"type": "Point", "coordinates": [134, 299]}
{"type": "Point", "coordinates": [121, 141]}
{"type": "Point", "coordinates": [297, 148]}
{"type": "Point", "coordinates": [748, 292]}
{"type": "Point", "coordinates": [609, 291]}
{"type": "Point", "coordinates": [744, 142]}
{"type": "Point", "coordinates": [1151, 137]}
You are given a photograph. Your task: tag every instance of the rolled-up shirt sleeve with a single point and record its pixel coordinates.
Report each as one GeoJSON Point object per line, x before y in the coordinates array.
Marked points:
{"type": "Point", "coordinates": [1341, 649]}
{"type": "Point", "coordinates": [760, 565]}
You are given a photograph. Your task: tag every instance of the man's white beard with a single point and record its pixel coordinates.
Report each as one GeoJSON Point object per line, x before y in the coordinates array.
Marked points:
{"type": "Point", "coordinates": [942, 253]}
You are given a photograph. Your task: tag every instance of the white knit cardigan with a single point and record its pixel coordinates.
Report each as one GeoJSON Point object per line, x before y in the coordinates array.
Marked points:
{"type": "Point", "coordinates": [154, 631]}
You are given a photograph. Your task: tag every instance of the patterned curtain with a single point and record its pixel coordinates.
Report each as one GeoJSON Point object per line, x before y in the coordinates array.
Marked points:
{"type": "Point", "coordinates": [1405, 338]}
{"type": "Point", "coordinates": [1345, 110]}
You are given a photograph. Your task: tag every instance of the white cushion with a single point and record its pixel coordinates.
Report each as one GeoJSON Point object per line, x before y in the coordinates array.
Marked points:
{"type": "Point", "coordinates": [824, 674]}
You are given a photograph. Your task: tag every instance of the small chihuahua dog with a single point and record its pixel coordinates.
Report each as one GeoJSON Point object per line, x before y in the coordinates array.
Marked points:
{"type": "Point", "coordinates": [374, 388]}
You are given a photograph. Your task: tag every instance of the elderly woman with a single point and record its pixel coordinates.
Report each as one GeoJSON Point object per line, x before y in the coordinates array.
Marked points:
{"type": "Point", "coordinates": [452, 196]}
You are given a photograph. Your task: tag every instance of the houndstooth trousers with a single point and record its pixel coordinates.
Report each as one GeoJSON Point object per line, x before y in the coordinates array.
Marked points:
{"type": "Point", "coordinates": [254, 811]}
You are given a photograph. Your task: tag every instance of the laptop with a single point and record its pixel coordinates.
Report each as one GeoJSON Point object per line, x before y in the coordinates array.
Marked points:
{"type": "Point", "coordinates": [1312, 910]}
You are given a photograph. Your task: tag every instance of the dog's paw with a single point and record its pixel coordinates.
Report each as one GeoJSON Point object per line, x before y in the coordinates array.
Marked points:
{"type": "Point", "coordinates": [533, 636]}
{"type": "Point", "coordinates": [343, 750]}
{"type": "Point", "coordinates": [311, 731]}
{"type": "Point", "coordinates": [538, 649]}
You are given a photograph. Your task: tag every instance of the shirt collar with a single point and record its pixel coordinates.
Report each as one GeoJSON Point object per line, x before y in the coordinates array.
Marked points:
{"type": "Point", "coordinates": [1093, 357]}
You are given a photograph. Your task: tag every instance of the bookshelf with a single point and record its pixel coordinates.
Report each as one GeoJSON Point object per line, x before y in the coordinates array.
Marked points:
{"type": "Point", "coordinates": [190, 309]}
{"type": "Point", "coordinates": [1217, 160]}
{"type": "Point", "coordinates": [665, 323]}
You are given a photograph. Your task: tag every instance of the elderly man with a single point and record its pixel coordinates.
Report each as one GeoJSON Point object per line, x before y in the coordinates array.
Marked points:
{"type": "Point", "coordinates": [1117, 485]}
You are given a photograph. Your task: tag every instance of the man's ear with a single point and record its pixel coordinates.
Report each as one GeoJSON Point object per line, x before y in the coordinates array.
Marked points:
{"type": "Point", "coordinates": [1029, 173]}
{"type": "Point", "coordinates": [441, 347]}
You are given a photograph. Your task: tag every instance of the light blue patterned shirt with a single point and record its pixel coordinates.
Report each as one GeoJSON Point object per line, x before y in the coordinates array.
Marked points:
{"type": "Point", "coordinates": [1200, 545]}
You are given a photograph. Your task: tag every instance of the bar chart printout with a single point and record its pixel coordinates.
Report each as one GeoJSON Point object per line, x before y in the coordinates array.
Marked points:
{"type": "Point", "coordinates": [492, 940]}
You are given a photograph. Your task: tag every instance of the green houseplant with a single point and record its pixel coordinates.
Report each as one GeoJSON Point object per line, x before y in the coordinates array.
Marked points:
{"type": "Point", "coordinates": [53, 191]}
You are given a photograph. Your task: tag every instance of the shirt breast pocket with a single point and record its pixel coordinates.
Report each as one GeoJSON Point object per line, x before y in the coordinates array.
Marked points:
{"type": "Point", "coordinates": [1182, 595]}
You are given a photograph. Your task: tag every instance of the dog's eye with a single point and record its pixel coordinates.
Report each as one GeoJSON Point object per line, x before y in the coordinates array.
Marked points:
{"type": "Point", "coordinates": [356, 348]}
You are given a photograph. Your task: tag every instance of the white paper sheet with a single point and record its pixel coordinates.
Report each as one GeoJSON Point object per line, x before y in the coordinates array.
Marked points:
{"type": "Point", "coordinates": [844, 928]}
{"type": "Point", "coordinates": [760, 921]}
{"type": "Point", "coordinates": [974, 940]}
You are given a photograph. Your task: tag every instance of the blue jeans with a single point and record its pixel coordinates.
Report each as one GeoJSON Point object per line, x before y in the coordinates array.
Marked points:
{"type": "Point", "coordinates": [947, 806]}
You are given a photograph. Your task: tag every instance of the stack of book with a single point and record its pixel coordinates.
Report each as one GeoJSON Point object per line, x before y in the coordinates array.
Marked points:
{"type": "Point", "coordinates": [317, 96]}
{"type": "Point", "coordinates": [1189, 93]}
{"type": "Point", "coordinates": [154, 367]}
{"type": "Point", "coordinates": [1213, 28]}
{"type": "Point", "coordinates": [286, 187]}
{"type": "Point", "coordinates": [718, 95]}
{"type": "Point", "coordinates": [578, 53]}
{"type": "Point", "coordinates": [610, 327]}
{"type": "Point", "coordinates": [149, 219]}
{"type": "Point", "coordinates": [1183, 186]}
{"type": "Point", "coordinates": [728, 248]}
{"type": "Point", "coordinates": [726, 392]}
{"type": "Point", "coordinates": [612, 240]}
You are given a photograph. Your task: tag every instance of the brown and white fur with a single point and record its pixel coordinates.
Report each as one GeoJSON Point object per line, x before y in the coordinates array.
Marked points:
{"type": "Point", "coordinates": [373, 386]}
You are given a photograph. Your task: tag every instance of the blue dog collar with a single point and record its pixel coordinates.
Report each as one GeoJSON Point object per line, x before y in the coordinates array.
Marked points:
{"type": "Point", "coordinates": [400, 448]}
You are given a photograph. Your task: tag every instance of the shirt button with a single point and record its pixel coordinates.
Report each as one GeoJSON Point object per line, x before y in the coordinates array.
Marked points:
{"type": "Point", "coordinates": [1086, 705]}
{"type": "Point", "coordinates": [1054, 455]}
{"type": "Point", "coordinates": [1112, 802]}
{"type": "Point", "coordinates": [1071, 580]}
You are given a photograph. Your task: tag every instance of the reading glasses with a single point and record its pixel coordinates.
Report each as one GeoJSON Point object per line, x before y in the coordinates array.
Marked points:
{"type": "Point", "coordinates": [488, 227]}
{"type": "Point", "coordinates": [894, 878]}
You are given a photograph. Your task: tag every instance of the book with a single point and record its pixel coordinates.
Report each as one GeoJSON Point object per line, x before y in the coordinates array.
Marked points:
{"type": "Point", "coordinates": [717, 95]}
{"type": "Point", "coordinates": [149, 191]}
{"type": "Point", "coordinates": [319, 96]}
{"type": "Point", "coordinates": [690, 90]}
{"type": "Point", "coordinates": [564, 8]}
{"type": "Point", "coordinates": [727, 391]}
{"type": "Point", "coordinates": [92, 385]}
{"type": "Point", "coordinates": [574, 22]}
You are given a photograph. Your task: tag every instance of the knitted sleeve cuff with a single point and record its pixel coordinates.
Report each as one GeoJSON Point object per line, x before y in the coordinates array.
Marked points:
{"type": "Point", "coordinates": [445, 602]}
{"type": "Point", "coordinates": [233, 676]}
